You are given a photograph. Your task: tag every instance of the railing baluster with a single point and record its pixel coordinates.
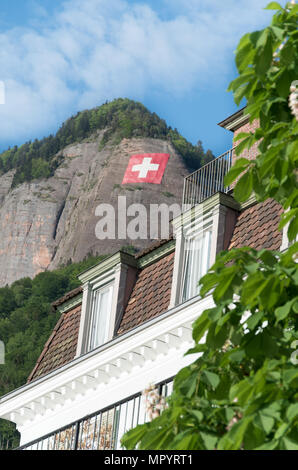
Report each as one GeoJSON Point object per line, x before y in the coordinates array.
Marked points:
{"type": "Point", "coordinates": [207, 180]}
{"type": "Point", "coordinates": [74, 433]}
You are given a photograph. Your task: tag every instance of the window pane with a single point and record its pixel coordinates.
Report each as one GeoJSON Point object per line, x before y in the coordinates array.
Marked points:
{"type": "Point", "coordinates": [101, 309]}
{"type": "Point", "coordinates": [196, 263]}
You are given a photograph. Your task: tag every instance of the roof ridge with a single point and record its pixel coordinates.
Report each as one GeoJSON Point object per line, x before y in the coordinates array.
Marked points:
{"type": "Point", "coordinates": [69, 295]}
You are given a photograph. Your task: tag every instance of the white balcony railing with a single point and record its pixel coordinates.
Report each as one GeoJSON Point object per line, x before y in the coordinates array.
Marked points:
{"type": "Point", "coordinates": [207, 180]}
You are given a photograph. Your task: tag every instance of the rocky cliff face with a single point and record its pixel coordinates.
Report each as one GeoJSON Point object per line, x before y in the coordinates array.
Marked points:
{"type": "Point", "coordinates": [50, 222]}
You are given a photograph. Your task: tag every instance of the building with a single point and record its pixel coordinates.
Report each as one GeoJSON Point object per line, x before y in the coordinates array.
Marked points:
{"type": "Point", "coordinates": [130, 322]}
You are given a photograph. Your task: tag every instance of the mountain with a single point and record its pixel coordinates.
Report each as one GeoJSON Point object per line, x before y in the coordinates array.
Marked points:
{"type": "Point", "coordinates": [49, 189]}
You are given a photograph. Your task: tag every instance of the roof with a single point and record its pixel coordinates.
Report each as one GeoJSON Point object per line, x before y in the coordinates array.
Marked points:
{"type": "Point", "coordinates": [151, 294]}
{"type": "Point", "coordinates": [234, 121]}
{"type": "Point", "coordinates": [153, 247]}
{"type": "Point", "coordinates": [61, 345]}
{"type": "Point", "coordinates": [68, 296]}
{"type": "Point", "coordinates": [256, 226]}
{"type": "Point", "coordinates": [150, 297]}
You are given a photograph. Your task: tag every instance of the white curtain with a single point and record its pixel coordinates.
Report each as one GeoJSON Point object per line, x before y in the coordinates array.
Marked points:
{"type": "Point", "coordinates": [101, 310]}
{"type": "Point", "coordinates": [196, 263]}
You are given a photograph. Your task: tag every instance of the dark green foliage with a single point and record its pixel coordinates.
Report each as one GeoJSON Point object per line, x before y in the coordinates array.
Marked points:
{"type": "Point", "coordinates": [242, 392]}
{"type": "Point", "coordinates": [26, 322]}
{"type": "Point", "coordinates": [122, 118]}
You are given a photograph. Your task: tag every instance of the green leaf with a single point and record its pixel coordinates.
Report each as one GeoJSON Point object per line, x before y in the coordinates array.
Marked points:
{"type": "Point", "coordinates": [264, 58]}
{"type": "Point", "coordinates": [287, 54]}
{"type": "Point", "coordinates": [197, 414]}
{"type": "Point", "coordinates": [267, 422]}
{"type": "Point", "coordinates": [281, 430]}
{"type": "Point", "coordinates": [268, 257]}
{"type": "Point", "coordinates": [260, 345]}
{"type": "Point", "coordinates": [243, 187]}
{"type": "Point", "coordinates": [268, 446]}
{"type": "Point", "coordinates": [278, 32]}
{"type": "Point", "coordinates": [233, 439]}
{"type": "Point", "coordinates": [245, 143]}
{"type": "Point", "coordinates": [289, 375]}
{"type": "Point", "coordinates": [242, 79]}
{"type": "Point", "coordinates": [214, 313]}
{"type": "Point", "coordinates": [293, 229]}
{"type": "Point", "coordinates": [283, 84]}
{"type": "Point", "coordinates": [254, 320]}
{"type": "Point", "coordinates": [240, 165]}
{"type": "Point", "coordinates": [262, 38]}
{"type": "Point", "coordinates": [240, 136]}
{"type": "Point", "coordinates": [216, 340]}
{"type": "Point", "coordinates": [132, 437]}
{"type": "Point", "coordinates": [252, 288]}
{"type": "Point", "coordinates": [237, 356]}
{"type": "Point", "coordinates": [229, 413]}
{"type": "Point", "coordinates": [245, 52]}
{"type": "Point", "coordinates": [156, 439]}
{"type": "Point", "coordinates": [253, 437]}
{"type": "Point", "coordinates": [242, 391]}
{"type": "Point", "coordinates": [273, 6]}
{"type": "Point", "coordinates": [209, 440]}
{"type": "Point", "coordinates": [282, 312]}
{"type": "Point", "coordinates": [223, 289]}
{"type": "Point", "coordinates": [212, 379]}
{"type": "Point", "coordinates": [292, 412]}
{"type": "Point", "coordinates": [200, 326]}
{"type": "Point", "coordinates": [290, 444]}
{"type": "Point", "coordinates": [240, 93]}
{"type": "Point", "coordinates": [186, 440]}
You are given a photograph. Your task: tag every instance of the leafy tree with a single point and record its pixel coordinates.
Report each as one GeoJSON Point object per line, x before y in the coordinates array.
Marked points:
{"type": "Point", "coordinates": [119, 119]}
{"type": "Point", "coordinates": [242, 391]}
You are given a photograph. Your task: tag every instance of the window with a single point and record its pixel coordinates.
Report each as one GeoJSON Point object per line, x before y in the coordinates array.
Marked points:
{"type": "Point", "coordinates": [196, 262]}
{"type": "Point", "coordinates": [101, 305]}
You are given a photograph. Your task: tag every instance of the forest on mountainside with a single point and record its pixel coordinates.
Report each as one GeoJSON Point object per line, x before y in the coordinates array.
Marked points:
{"type": "Point", "coordinates": [26, 322]}
{"type": "Point", "coordinates": [122, 118]}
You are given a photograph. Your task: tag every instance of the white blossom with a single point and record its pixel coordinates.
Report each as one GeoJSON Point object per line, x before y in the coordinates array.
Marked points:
{"type": "Point", "coordinates": [293, 101]}
{"type": "Point", "coordinates": [154, 402]}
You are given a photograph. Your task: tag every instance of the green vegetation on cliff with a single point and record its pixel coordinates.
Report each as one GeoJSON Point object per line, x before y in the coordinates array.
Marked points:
{"type": "Point", "coordinates": [26, 322]}
{"type": "Point", "coordinates": [121, 118]}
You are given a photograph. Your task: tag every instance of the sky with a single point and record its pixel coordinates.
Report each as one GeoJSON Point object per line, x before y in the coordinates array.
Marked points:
{"type": "Point", "coordinates": [58, 57]}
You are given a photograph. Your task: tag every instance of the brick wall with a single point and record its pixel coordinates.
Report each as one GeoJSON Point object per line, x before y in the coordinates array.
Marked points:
{"type": "Point", "coordinates": [252, 152]}
{"type": "Point", "coordinates": [247, 153]}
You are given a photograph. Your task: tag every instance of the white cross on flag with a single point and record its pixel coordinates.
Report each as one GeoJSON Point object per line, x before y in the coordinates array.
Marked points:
{"type": "Point", "coordinates": [146, 168]}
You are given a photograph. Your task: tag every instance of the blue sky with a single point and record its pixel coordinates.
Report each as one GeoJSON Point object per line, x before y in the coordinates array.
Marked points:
{"type": "Point", "coordinates": [175, 56]}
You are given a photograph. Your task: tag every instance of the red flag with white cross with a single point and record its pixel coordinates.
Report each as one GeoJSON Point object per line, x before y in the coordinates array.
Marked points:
{"type": "Point", "coordinates": [146, 168]}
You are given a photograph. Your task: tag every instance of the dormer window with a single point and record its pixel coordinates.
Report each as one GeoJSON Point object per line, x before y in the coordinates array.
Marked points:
{"type": "Point", "coordinates": [201, 232]}
{"type": "Point", "coordinates": [196, 262]}
{"type": "Point", "coordinates": [105, 293]}
{"type": "Point", "coordinates": [101, 306]}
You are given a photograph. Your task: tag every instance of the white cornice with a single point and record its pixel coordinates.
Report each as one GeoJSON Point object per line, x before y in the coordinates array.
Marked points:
{"type": "Point", "coordinates": [156, 254]}
{"type": "Point", "coordinates": [113, 363]}
{"type": "Point", "coordinates": [106, 265]}
{"type": "Point", "coordinates": [70, 304]}
{"type": "Point", "coordinates": [234, 125]}
{"type": "Point", "coordinates": [205, 207]}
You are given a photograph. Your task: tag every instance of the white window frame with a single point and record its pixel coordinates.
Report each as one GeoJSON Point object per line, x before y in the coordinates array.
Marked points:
{"type": "Point", "coordinates": [89, 288]}
{"type": "Point", "coordinates": [208, 215]}
{"type": "Point", "coordinates": [191, 238]}
{"type": "Point", "coordinates": [99, 319]}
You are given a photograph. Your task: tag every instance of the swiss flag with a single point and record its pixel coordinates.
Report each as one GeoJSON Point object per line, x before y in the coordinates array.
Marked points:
{"type": "Point", "coordinates": [146, 168]}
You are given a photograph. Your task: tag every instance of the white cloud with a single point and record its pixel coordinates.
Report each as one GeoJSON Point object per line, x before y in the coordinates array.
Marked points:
{"type": "Point", "coordinates": [96, 50]}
